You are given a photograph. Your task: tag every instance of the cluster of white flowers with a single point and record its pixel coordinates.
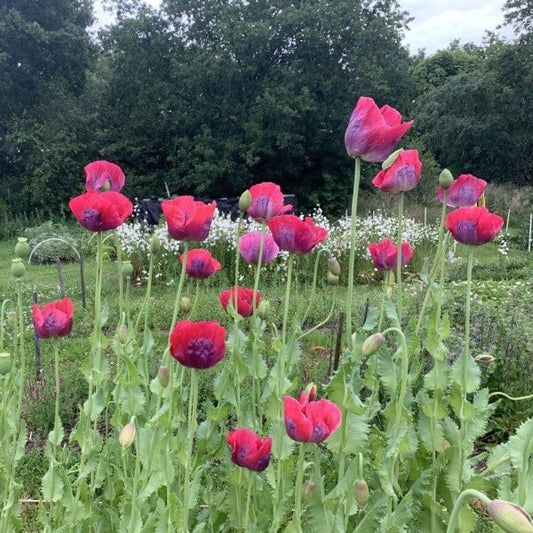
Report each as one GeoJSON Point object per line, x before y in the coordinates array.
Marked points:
{"type": "Point", "coordinates": [503, 243]}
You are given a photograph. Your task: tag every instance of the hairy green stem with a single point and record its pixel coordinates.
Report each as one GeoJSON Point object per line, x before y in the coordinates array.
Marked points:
{"type": "Point", "coordinates": [399, 257]}
{"type": "Point", "coordinates": [299, 486]}
{"type": "Point", "coordinates": [313, 286]}
{"type": "Point", "coordinates": [468, 493]}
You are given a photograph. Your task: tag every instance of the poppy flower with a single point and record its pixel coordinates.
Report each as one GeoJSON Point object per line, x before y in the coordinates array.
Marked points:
{"type": "Point", "coordinates": [250, 243]}
{"type": "Point", "coordinates": [310, 421]}
{"type": "Point", "coordinates": [103, 175]}
{"type": "Point", "coordinates": [465, 191]}
{"type": "Point", "coordinates": [101, 211]}
{"type": "Point", "coordinates": [266, 201]}
{"type": "Point", "coordinates": [385, 254]}
{"type": "Point", "coordinates": [373, 132]}
{"type": "Point", "coordinates": [403, 175]}
{"type": "Point", "coordinates": [249, 450]}
{"type": "Point", "coordinates": [187, 219]}
{"type": "Point", "coordinates": [53, 319]}
{"type": "Point", "coordinates": [296, 235]}
{"type": "Point", "coordinates": [473, 225]}
{"type": "Point", "coordinates": [200, 264]}
{"type": "Point", "coordinates": [198, 344]}
{"type": "Point", "coordinates": [244, 299]}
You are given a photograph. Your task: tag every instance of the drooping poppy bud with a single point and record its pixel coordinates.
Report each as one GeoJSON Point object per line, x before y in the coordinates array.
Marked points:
{"type": "Point", "coordinates": [361, 493]}
{"type": "Point", "coordinates": [17, 268]}
{"type": "Point", "coordinates": [510, 517]}
{"type": "Point", "coordinates": [334, 266]}
{"type": "Point", "coordinates": [372, 344]}
{"type": "Point", "coordinates": [22, 248]}
{"type": "Point", "coordinates": [127, 435]}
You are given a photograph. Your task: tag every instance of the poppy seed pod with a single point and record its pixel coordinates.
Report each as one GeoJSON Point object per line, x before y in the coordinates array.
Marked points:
{"type": "Point", "coordinates": [372, 344]}
{"type": "Point", "coordinates": [17, 268]}
{"type": "Point", "coordinates": [164, 376]}
{"type": "Point", "coordinates": [127, 435]}
{"type": "Point", "coordinates": [263, 310]}
{"type": "Point", "coordinates": [334, 266]}
{"type": "Point", "coordinates": [127, 269]}
{"type": "Point", "coordinates": [185, 304]}
{"type": "Point", "coordinates": [123, 333]}
{"type": "Point", "coordinates": [361, 492]}
{"type": "Point", "coordinates": [5, 363]}
{"type": "Point", "coordinates": [155, 243]}
{"type": "Point", "coordinates": [22, 248]}
{"type": "Point", "coordinates": [445, 179]}
{"type": "Point", "coordinates": [245, 201]}
{"type": "Point", "coordinates": [510, 517]}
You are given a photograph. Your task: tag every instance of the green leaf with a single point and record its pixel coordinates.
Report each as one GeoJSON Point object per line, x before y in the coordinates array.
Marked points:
{"type": "Point", "coordinates": [55, 437]}
{"type": "Point", "coordinates": [372, 318]}
{"type": "Point", "coordinates": [465, 372]}
{"type": "Point", "coordinates": [356, 435]}
{"type": "Point", "coordinates": [437, 377]}
{"type": "Point", "coordinates": [463, 409]}
{"type": "Point", "coordinates": [432, 437]}
{"type": "Point", "coordinates": [52, 484]}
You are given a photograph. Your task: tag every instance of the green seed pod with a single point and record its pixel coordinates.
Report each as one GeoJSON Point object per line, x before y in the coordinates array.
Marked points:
{"type": "Point", "coordinates": [361, 493]}
{"type": "Point", "coordinates": [245, 201]}
{"type": "Point", "coordinates": [155, 243]}
{"type": "Point", "coordinates": [17, 268]}
{"type": "Point", "coordinates": [164, 376]}
{"type": "Point", "coordinates": [127, 435]}
{"type": "Point", "coordinates": [123, 333]}
{"type": "Point", "coordinates": [185, 304]}
{"type": "Point", "coordinates": [263, 309]}
{"type": "Point", "coordinates": [127, 269]}
{"type": "Point", "coordinates": [22, 248]}
{"type": "Point", "coordinates": [445, 179]}
{"type": "Point", "coordinates": [510, 517]}
{"type": "Point", "coordinates": [5, 363]}
{"type": "Point", "coordinates": [334, 266]}
{"type": "Point", "coordinates": [372, 344]}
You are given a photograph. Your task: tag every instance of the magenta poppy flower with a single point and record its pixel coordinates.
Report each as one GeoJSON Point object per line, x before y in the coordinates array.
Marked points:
{"type": "Point", "coordinates": [100, 175]}
{"type": "Point", "coordinates": [267, 201]}
{"type": "Point", "coordinates": [198, 344]}
{"type": "Point", "coordinates": [250, 243]}
{"type": "Point", "coordinates": [245, 299]}
{"type": "Point", "coordinates": [403, 175]}
{"type": "Point", "coordinates": [53, 319]}
{"type": "Point", "coordinates": [200, 264]}
{"type": "Point", "coordinates": [187, 219]}
{"type": "Point", "coordinates": [296, 235]}
{"type": "Point", "coordinates": [473, 225]}
{"type": "Point", "coordinates": [385, 254]}
{"type": "Point", "coordinates": [101, 211]}
{"type": "Point", "coordinates": [373, 133]}
{"type": "Point", "coordinates": [310, 421]}
{"type": "Point", "coordinates": [465, 191]}
{"type": "Point", "coordinates": [249, 450]}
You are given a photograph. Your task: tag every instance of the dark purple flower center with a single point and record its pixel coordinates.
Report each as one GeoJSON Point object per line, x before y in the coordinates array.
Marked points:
{"type": "Point", "coordinates": [201, 351]}
{"type": "Point", "coordinates": [262, 462]}
{"type": "Point", "coordinates": [405, 177]}
{"type": "Point", "coordinates": [91, 219]}
{"type": "Point", "coordinates": [285, 238]}
{"type": "Point", "coordinates": [51, 323]}
{"type": "Point", "coordinates": [466, 231]}
{"type": "Point", "coordinates": [197, 268]}
{"type": "Point", "coordinates": [465, 196]}
{"type": "Point", "coordinates": [320, 432]}
{"type": "Point", "coordinates": [290, 426]}
{"type": "Point", "coordinates": [242, 454]}
{"type": "Point", "coordinates": [262, 206]}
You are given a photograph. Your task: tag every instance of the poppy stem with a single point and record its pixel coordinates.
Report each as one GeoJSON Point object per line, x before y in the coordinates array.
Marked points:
{"type": "Point", "coordinates": [399, 256]}
{"type": "Point", "coordinates": [351, 264]}
{"type": "Point", "coordinates": [468, 493]}
{"type": "Point", "coordinates": [313, 286]}
{"type": "Point", "coordinates": [286, 303]}
{"type": "Point", "coordinates": [297, 519]}
{"type": "Point", "coordinates": [259, 264]}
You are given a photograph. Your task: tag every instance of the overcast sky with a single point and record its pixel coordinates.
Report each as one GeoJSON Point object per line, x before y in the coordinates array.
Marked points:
{"type": "Point", "coordinates": [435, 24]}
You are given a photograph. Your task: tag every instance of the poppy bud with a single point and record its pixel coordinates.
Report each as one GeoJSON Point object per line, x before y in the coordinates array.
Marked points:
{"type": "Point", "coordinates": [372, 344]}
{"type": "Point", "coordinates": [311, 391]}
{"type": "Point", "coordinates": [5, 363]}
{"type": "Point", "coordinates": [127, 435]}
{"type": "Point", "coordinates": [309, 490]}
{"type": "Point", "coordinates": [334, 267]}
{"type": "Point", "coordinates": [361, 492]}
{"type": "Point", "coordinates": [263, 310]}
{"type": "Point", "coordinates": [390, 160]}
{"type": "Point", "coordinates": [510, 517]}
{"type": "Point", "coordinates": [123, 333]}
{"type": "Point", "coordinates": [155, 243]}
{"type": "Point", "coordinates": [164, 376]}
{"type": "Point", "coordinates": [127, 269]}
{"type": "Point", "coordinates": [445, 179]}
{"type": "Point", "coordinates": [332, 279]}
{"type": "Point", "coordinates": [185, 304]}
{"type": "Point", "coordinates": [245, 201]}
{"type": "Point", "coordinates": [484, 358]}
{"type": "Point", "coordinates": [17, 268]}
{"type": "Point", "coordinates": [22, 248]}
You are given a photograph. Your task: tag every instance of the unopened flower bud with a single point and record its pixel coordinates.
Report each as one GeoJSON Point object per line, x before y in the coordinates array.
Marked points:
{"type": "Point", "coordinates": [127, 269]}
{"type": "Point", "coordinates": [390, 160]}
{"type": "Point", "coordinates": [445, 179]}
{"type": "Point", "coordinates": [127, 435]}
{"type": "Point", "coordinates": [123, 333]}
{"type": "Point", "coordinates": [17, 268]}
{"type": "Point", "coordinates": [332, 279]}
{"type": "Point", "coordinates": [484, 358]}
{"type": "Point", "coordinates": [361, 493]}
{"type": "Point", "coordinates": [263, 310]}
{"type": "Point", "coordinates": [245, 201]}
{"type": "Point", "coordinates": [372, 344]}
{"type": "Point", "coordinates": [311, 391]}
{"type": "Point", "coordinates": [164, 376]}
{"type": "Point", "coordinates": [155, 243]}
{"type": "Point", "coordinates": [309, 491]}
{"type": "Point", "coordinates": [510, 517]}
{"type": "Point", "coordinates": [5, 363]}
{"type": "Point", "coordinates": [22, 248]}
{"type": "Point", "coordinates": [334, 267]}
{"type": "Point", "coordinates": [185, 304]}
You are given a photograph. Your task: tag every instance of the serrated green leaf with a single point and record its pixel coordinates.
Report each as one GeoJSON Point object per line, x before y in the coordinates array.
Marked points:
{"type": "Point", "coordinates": [465, 372]}
{"type": "Point", "coordinates": [355, 437]}
{"type": "Point", "coordinates": [431, 434]}
{"type": "Point", "coordinates": [52, 483]}
{"type": "Point", "coordinates": [372, 318]}
{"type": "Point", "coordinates": [437, 377]}
{"type": "Point", "coordinates": [389, 374]}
